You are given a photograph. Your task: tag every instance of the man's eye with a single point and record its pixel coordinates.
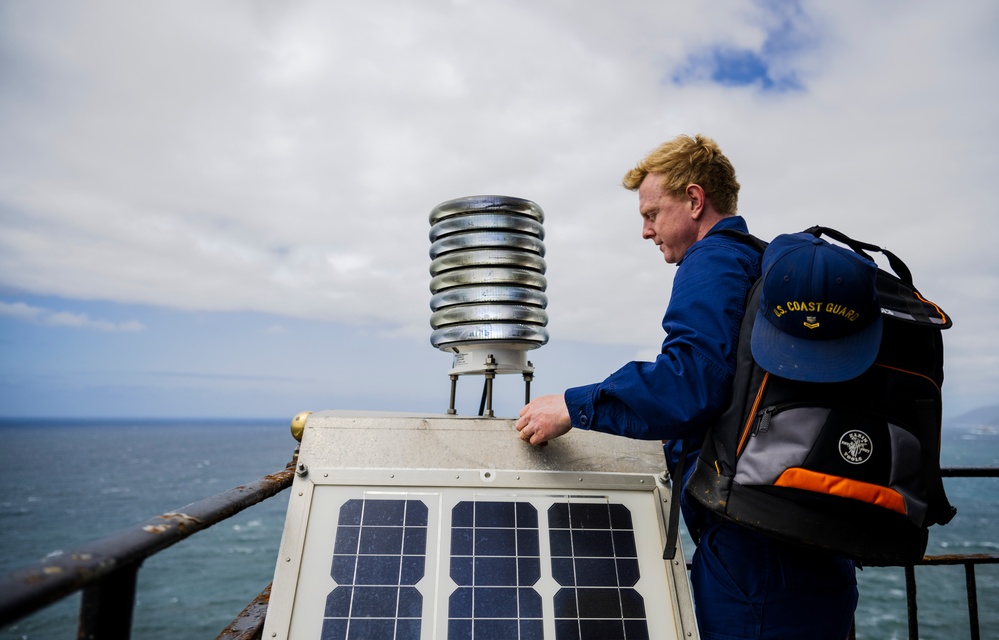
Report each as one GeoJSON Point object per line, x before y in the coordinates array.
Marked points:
{"type": "Point", "coordinates": [651, 217]}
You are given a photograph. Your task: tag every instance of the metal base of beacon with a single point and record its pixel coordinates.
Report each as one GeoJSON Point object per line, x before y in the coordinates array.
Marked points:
{"type": "Point", "coordinates": [489, 364]}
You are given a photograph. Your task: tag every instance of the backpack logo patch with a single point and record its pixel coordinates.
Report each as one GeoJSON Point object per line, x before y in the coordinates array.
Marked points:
{"type": "Point", "coordinates": [856, 447]}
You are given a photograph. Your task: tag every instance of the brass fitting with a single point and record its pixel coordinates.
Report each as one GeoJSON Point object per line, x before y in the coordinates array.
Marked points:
{"type": "Point", "coordinates": [298, 425]}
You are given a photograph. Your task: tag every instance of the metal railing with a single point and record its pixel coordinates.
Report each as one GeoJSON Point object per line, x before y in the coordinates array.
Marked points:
{"type": "Point", "coordinates": [970, 561]}
{"type": "Point", "coordinates": [106, 570]}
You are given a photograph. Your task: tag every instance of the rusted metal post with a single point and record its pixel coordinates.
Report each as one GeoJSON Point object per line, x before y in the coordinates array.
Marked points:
{"type": "Point", "coordinates": [249, 624]}
{"type": "Point", "coordinates": [910, 601]}
{"type": "Point", "coordinates": [972, 586]}
{"type": "Point", "coordinates": [107, 605]}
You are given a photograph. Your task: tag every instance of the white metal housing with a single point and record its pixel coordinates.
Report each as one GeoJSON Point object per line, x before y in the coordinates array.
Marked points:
{"type": "Point", "coordinates": [432, 527]}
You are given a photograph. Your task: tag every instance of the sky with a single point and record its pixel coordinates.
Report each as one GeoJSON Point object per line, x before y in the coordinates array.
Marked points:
{"type": "Point", "coordinates": [221, 209]}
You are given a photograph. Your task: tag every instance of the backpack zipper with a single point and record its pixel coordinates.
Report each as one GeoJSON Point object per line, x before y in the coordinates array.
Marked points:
{"type": "Point", "coordinates": [752, 415]}
{"type": "Point", "coordinates": [762, 423]}
{"type": "Point", "coordinates": [763, 417]}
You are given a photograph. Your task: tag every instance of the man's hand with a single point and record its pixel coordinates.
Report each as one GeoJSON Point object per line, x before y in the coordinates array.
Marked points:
{"type": "Point", "coordinates": [543, 419]}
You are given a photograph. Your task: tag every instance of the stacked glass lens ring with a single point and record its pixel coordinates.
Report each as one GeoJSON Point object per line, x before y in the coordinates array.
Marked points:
{"type": "Point", "coordinates": [488, 282]}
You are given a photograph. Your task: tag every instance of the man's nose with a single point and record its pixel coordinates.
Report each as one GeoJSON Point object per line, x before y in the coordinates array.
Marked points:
{"type": "Point", "coordinates": [647, 230]}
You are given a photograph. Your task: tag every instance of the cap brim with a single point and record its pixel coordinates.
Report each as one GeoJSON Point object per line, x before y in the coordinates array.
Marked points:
{"type": "Point", "coordinates": [815, 360]}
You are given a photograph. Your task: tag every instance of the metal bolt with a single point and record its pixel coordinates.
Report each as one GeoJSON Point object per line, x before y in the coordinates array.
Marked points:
{"type": "Point", "coordinates": [303, 470]}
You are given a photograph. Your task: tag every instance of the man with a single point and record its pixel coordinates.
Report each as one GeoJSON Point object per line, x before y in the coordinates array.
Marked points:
{"type": "Point", "coordinates": [745, 586]}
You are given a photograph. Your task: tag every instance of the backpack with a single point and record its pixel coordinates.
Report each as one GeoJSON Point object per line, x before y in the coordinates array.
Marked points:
{"type": "Point", "coordinates": [851, 468]}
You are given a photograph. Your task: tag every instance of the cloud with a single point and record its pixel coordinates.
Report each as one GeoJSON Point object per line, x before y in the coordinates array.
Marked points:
{"type": "Point", "coordinates": [43, 316]}
{"type": "Point", "coordinates": [283, 158]}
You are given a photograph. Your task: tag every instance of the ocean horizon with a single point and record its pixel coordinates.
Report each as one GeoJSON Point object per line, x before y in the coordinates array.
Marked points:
{"type": "Point", "coordinates": [71, 481]}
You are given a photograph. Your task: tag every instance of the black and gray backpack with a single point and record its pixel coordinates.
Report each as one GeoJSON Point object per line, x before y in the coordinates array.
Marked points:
{"type": "Point", "coordinates": [851, 467]}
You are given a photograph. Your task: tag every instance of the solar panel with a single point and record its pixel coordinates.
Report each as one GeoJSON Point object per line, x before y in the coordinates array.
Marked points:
{"type": "Point", "coordinates": [475, 554]}
{"type": "Point", "coordinates": [594, 559]}
{"type": "Point", "coordinates": [509, 561]}
{"type": "Point", "coordinates": [379, 554]}
{"type": "Point", "coordinates": [495, 563]}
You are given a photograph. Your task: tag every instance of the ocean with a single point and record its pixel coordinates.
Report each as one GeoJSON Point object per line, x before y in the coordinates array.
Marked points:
{"type": "Point", "coordinates": [67, 482]}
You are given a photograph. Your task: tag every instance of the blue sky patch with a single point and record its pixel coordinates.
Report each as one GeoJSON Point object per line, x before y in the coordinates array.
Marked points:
{"type": "Point", "coordinates": [770, 68]}
{"type": "Point", "coordinates": [735, 68]}
{"type": "Point", "coordinates": [739, 68]}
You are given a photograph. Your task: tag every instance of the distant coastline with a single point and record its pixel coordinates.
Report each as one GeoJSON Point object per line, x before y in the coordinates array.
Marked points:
{"type": "Point", "coordinates": [983, 420]}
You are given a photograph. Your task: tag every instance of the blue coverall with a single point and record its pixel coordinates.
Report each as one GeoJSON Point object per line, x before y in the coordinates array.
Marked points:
{"type": "Point", "coordinates": [745, 585]}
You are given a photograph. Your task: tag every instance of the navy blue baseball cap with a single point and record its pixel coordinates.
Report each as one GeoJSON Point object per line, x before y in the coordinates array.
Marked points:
{"type": "Point", "coordinates": [819, 318]}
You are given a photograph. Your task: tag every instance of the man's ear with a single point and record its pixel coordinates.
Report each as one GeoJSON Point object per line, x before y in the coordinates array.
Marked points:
{"type": "Point", "coordinates": [695, 194]}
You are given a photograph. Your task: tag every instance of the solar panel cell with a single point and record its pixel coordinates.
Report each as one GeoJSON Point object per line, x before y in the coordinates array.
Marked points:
{"type": "Point", "coordinates": [496, 602]}
{"type": "Point", "coordinates": [595, 572]}
{"type": "Point", "coordinates": [592, 543]}
{"type": "Point", "coordinates": [378, 570]}
{"type": "Point", "coordinates": [495, 542]}
{"type": "Point", "coordinates": [381, 540]}
{"type": "Point", "coordinates": [374, 602]}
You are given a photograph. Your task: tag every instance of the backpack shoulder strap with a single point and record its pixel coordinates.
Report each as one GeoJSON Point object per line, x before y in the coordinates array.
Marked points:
{"type": "Point", "coordinates": [745, 238]}
{"type": "Point", "coordinates": [673, 525]}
